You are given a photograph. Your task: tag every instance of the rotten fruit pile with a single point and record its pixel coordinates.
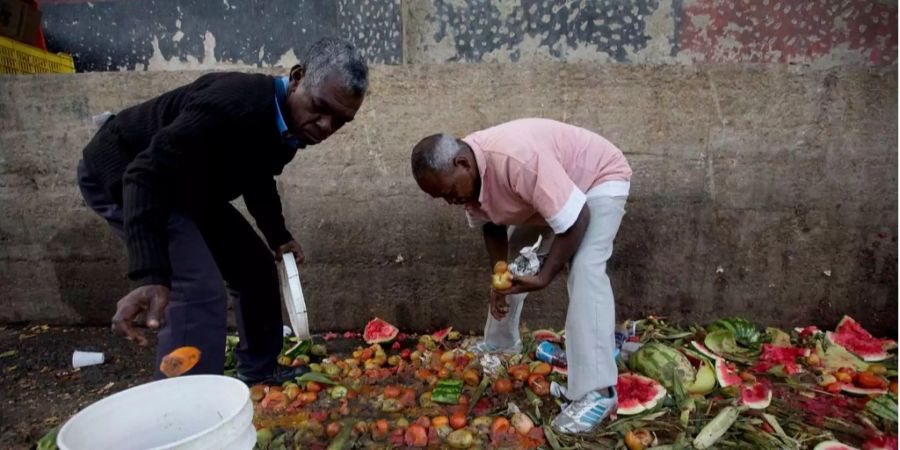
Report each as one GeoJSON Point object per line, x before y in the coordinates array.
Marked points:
{"type": "Point", "coordinates": [729, 384]}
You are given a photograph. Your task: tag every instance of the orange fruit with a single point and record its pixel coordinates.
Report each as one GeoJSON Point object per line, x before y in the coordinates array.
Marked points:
{"type": "Point", "coordinates": [438, 421]}
{"type": "Point", "coordinates": [416, 436]}
{"type": "Point", "coordinates": [179, 361]}
{"type": "Point", "coordinates": [391, 392]}
{"type": "Point", "coordinates": [500, 425]}
{"type": "Point", "coordinates": [500, 267]}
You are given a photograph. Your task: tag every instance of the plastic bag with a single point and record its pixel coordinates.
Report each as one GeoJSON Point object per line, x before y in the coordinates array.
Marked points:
{"type": "Point", "coordinates": [528, 262]}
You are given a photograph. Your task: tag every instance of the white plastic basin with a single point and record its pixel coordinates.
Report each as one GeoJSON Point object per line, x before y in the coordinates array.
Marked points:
{"type": "Point", "coordinates": [184, 413]}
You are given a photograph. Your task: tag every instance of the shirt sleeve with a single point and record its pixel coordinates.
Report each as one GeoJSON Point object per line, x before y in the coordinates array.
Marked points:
{"type": "Point", "coordinates": [476, 218]}
{"type": "Point", "coordinates": [173, 161]}
{"type": "Point", "coordinates": [545, 184]}
{"type": "Point", "coordinates": [264, 204]}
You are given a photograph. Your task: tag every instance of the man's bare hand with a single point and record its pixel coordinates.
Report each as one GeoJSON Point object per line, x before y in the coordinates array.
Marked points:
{"type": "Point", "coordinates": [292, 247]}
{"type": "Point", "coordinates": [152, 299]}
{"type": "Point", "coordinates": [499, 305]}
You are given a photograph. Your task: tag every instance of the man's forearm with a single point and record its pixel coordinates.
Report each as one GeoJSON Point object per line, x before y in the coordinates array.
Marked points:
{"type": "Point", "coordinates": [495, 241]}
{"type": "Point", "coordinates": [565, 245]}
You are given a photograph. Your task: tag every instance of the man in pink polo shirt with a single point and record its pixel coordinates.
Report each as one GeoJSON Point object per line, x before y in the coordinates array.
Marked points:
{"type": "Point", "coordinates": [537, 177]}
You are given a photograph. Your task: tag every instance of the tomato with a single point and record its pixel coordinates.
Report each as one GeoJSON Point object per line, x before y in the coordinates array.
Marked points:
{"type": "Point", "coordinates": [458, 420]}
{"type": "Point", "coordinates": [894, 387]}
{"type": "Point", "coordinates": [380, 429]}
{"type": "Point", "coordinates": [834, 388]}
{"type": "Point", "coordinates": [391, 392]}
{"type": "Point", "coordinates": [870, 380]}
{"type": "Point", "coordinates": [538, 384]}
{"type": "Point", "coordinates": [333, 429]}
{"type": "Point", "coordinates": [405, 353]}
{"type": "Point", "coordinates": [179, 361]}
{"type": "Point", "coordinates": [312, 386]}
{"type": "Point", "coordinates": [408, 398]}
{"type": "Point", "coordinates": [519, 372]}
{"type": "Point", "coordinates": [308, 397]}
{"type": "Point", "coordinates": [416, 436]}
{"type": "Point", "coordinates": [423, 422]}
{"type": "Point", "coordinates": [500, 425]}
{"type": "Point", "coordinates": [274, 401]}
{"type": "Point", "coordinates": [503, 386]}
{"type": "Point", "coordinates": [443, 373]}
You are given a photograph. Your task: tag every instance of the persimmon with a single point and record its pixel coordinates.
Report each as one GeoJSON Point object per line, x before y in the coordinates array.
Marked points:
{"type": "Point", "coordinates": [179, 361]}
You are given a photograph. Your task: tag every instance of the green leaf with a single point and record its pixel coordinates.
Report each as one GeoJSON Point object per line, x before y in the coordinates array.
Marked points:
{"type": "Point", "coordinates": [320, 378]}
{"type": "Point", "coordinates": [48, 441]}
{"type": "Point", "coordinates": [8, 353]}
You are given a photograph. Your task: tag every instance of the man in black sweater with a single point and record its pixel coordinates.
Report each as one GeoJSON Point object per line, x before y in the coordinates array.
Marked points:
{"type": "Point", "coordinates": [162, 173]}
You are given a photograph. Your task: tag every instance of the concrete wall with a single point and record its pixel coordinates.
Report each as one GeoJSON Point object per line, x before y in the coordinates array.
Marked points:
{"type": "Point", "coordinates": [768, 192]}
{"type": "Point", "coordinates": [175, 35]}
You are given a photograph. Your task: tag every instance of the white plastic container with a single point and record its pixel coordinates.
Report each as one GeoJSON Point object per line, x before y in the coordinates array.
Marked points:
{"type": "Point", "coordinates": [183, 413]}
{"type": "Point", "coordinates": [292, 292]}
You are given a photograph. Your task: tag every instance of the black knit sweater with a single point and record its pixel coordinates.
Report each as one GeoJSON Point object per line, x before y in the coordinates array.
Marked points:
{"type": "Point", "coordinates": [188, 150]}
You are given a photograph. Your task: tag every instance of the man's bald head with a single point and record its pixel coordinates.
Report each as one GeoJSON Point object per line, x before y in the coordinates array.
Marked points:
{"type": "Point", "coordinates": [445, 167]}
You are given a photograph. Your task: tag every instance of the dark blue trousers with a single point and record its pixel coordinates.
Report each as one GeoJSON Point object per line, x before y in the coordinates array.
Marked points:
{"type": "Point", "coordinates": [218, 255]}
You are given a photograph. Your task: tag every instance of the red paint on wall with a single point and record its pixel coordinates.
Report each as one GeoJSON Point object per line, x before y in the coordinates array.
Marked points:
{"type": "Point", "coordinates": [767, 31]}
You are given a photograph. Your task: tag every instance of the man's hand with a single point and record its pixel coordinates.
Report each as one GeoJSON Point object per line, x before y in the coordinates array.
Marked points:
{"type": "Point", "coordinates": [526, 284]}
{"type": "Point", "coordinates": [499, 305]}
{"type": "Point", "coordinates": [292, 247]}
{"type": "Point", "coordinates": [151, 299]}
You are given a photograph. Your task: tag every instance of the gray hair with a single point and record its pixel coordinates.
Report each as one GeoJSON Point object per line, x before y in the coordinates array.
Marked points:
{"type": "Point", "coordinates": [435, 154]}
{"type": "Point", "coordinates": [331, 55]}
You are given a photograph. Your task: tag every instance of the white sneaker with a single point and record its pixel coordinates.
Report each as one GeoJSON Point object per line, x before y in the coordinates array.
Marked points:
{"type": "Point", "coordinates": [582, 416]}
{"type": "Point", "coordinates": [558, 390]}
{"type": "Point", "coordinates": [482, 347]}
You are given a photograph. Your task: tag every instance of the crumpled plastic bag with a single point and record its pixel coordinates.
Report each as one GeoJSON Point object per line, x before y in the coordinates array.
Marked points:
{"type": "Point", "coordinates": [528, 262]}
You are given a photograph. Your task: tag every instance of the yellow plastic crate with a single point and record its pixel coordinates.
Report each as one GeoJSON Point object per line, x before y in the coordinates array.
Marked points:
{"type": "Point", "coordinates": [19, 58]}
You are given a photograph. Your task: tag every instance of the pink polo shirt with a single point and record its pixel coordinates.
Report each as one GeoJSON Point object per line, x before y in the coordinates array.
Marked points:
{"type": "Point", "coordinates": [538, 171]}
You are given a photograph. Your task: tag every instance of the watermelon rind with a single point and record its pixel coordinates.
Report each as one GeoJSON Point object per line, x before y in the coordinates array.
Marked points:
{"type": "Point", "coordinates": [748, 391]}
{"type": "Point", "coordinates": [370, 330]}
{"type": "Point", "coordinates": [856, 390]}
{"type": "Point", "coordinates": [745, 332]}
{"type": "Point", "coordinates": [726, 376]}
{"type": "Point", "coordinates": [658, 361]}
{"type": "Point", "coordinates": [439, 335]}
{"type": "Point", "coordinates": [870, 357]}
{"type": "Point", "coordinates": [705, 351]}
{"type": "Point", "coordinates": [627, 410]}
{"type": "Point", "coordinates": [705, 381]}
{"type": "Point", "coordinates": [833, 445]}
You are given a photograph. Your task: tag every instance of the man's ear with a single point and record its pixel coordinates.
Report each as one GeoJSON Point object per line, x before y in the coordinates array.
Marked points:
{"type": "Point", "coordinates": [462, 161]}
{"type": "Point", "coordinates": [297, 73]}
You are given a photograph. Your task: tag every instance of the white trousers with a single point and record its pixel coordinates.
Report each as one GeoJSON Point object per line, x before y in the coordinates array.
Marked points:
{"type": "Point", "coordinates": [591, 316]}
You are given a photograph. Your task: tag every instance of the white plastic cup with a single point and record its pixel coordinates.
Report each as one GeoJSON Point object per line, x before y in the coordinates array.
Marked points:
{"type": "Point", "coordinates": [83, 359]}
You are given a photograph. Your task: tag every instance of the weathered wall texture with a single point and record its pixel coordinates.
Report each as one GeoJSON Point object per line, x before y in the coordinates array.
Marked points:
{"type": "Point", "coordinates": [768, 192]}
{"type": "Point", "coordinates": [174, 35]}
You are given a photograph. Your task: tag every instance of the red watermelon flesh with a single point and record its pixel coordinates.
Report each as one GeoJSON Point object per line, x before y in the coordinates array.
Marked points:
{"type": "Point", "coordinates": [441, 334]}
{"type": "Point", "coordinates": [881, 443]}
{"type": "Point", "coordinates": [726, 373]}
{"type": "Point", "coordinates": [378, 331]}
{"type": "Point", "coordinates": [546, 335]}
{"type": "Point", "coordinates": [853, 337]}
{"type": "Point", "coordinates": [756, 395]}
{"type": "Point", "coordinates": [637, 393]}
{"type": "Point", "coordinates": [786, 357]}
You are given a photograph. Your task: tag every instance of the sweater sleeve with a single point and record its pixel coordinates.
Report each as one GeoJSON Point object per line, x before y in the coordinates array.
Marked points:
{"type": "Point", "coordinates": [264, 204]}
{"type": "Point", "coordinates": [174, 160]}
